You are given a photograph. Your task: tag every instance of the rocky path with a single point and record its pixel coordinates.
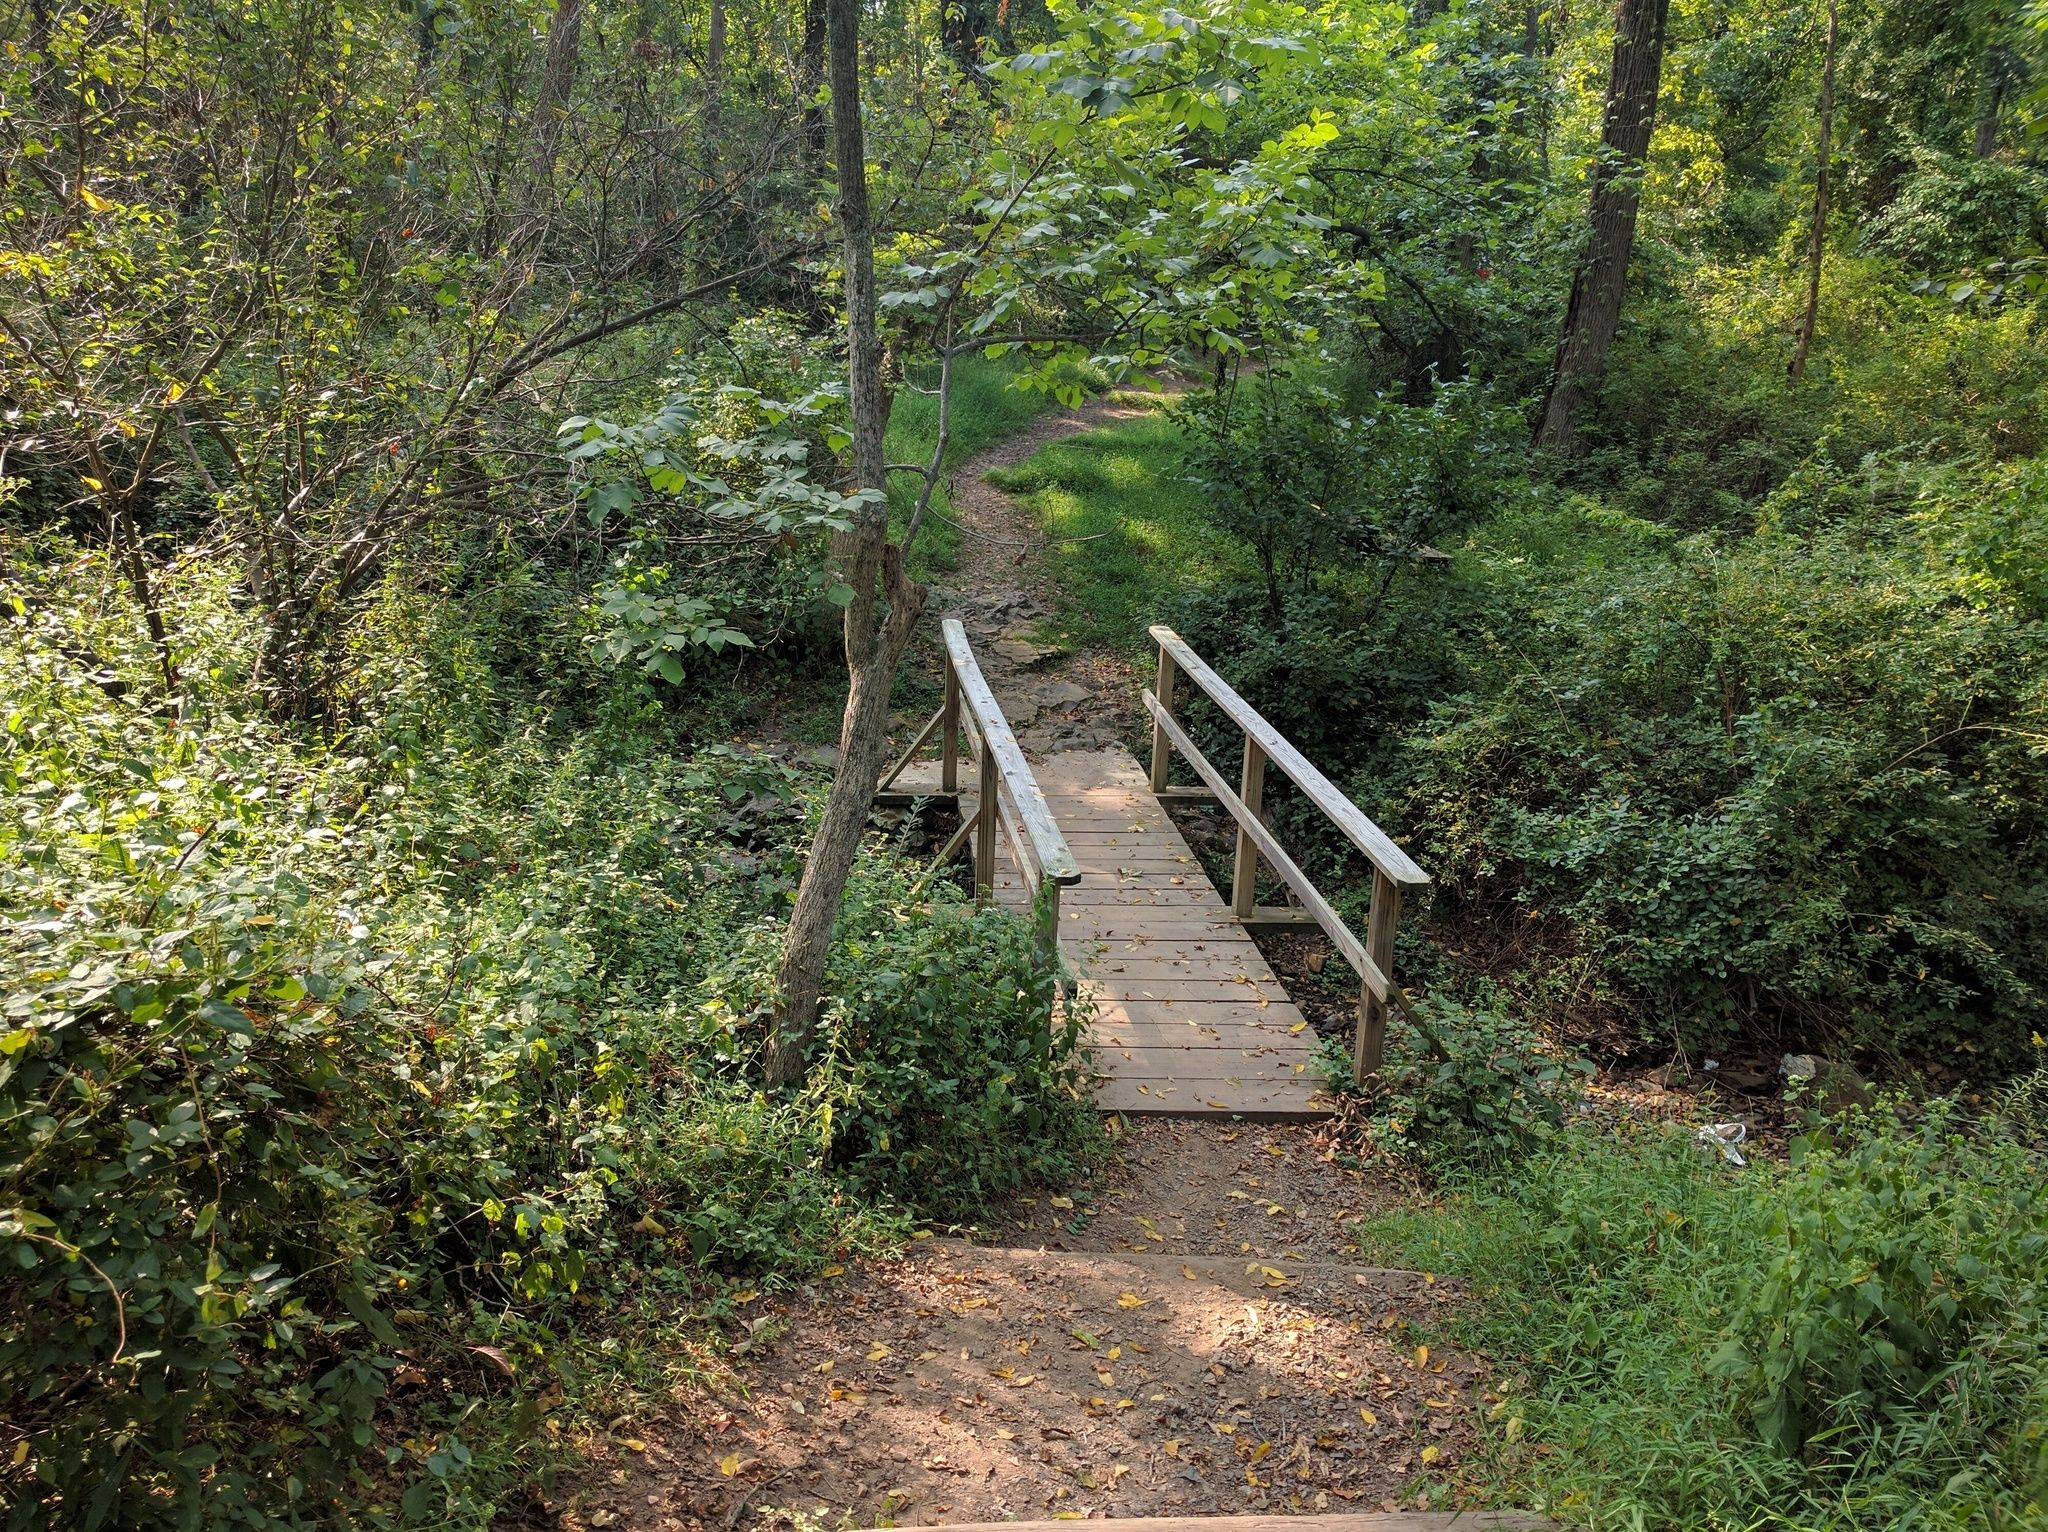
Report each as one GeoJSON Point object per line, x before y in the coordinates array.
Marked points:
{"type": "Point", "coordinates": [1188, 1333]}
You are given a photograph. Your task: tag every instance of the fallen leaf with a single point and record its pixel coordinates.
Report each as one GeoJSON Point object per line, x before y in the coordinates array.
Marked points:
{"type": "Point", "coordinates": [1261, 1450]}
{"type": "Point", "coordinates": [1422, 1356]}
{"type": "Point", "coordinates": [1431, 1454]}
{"type": "Point", "coordinates": [729, 1464]}
{"type": "Point", "coordinates": [1190, 1273]}
{"type": "Point", "coordinates": [1062, 1202]}
{"type": "Point", "coordinates": [833, 1271]}
{"type": "Point", "coordinates": [1131, 1301]}
{"type": "Point", "coordinates": [1368, 1417]}
{"type": "Point", "coordinates": [878, 1352]}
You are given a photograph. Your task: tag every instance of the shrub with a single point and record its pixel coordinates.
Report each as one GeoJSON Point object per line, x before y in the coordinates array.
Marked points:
{"type": "Point", "coordinates": [947, 1069]}
{"type": "Point", "coordinates": [321, 1066]}
{"type": "Point", "coordinates": [1884, 1297]}
{"type": "Point", "coordinates": [1477, 1088]}
{"type": "Point", "coordinates": [1774, 780]}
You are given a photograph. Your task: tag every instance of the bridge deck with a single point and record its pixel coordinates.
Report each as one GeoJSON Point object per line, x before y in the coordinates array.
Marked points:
{"type": "Point", "coordinates": [1188, 1018]}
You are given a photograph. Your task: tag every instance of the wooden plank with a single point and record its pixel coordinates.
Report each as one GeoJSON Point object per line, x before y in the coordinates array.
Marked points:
{"type": "Point", "coordinates": [1163, 1064]}
{"type": "Point", "coordinates": [1263, 1101]}
{"type": "Point", "coordinates": [1054, 859]}
{"type": "Point", "coordinates": [1246, 1011]}
{"type": "Point", "coordinates": [1346, 815]}
{"type": "Point", "coordinates": [1181, 989]}
{"type": "Point", "coordinates": [1394, 1521]}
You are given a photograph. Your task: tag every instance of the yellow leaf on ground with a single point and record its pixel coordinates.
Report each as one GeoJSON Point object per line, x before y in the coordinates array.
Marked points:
{"type": "Point", "coordinates": [634, 1444]}
{"type": "Point", "coordinates": [833, 1271]}
{"type": "Point", "coordinates": [729, 1464]}
{"type": "Point", "coordinates": [1368, 1417]}
{"type": "Point", "coordinates": [1131, 1301]}
{"type": "Point", "coordinates": [1062, 1202]}
{"type": "Point", "coordinates": [1422, 1356]}
{"type": "Point", "coordinates": [1190, 1273]}
{"type": "Point", "coordinates": [878, 1352]}
{"type": "Point", "coordinates": [1172, 1447]}
{"type": "Point", "coordinates": [1431, 1454]}
{"type": "Point", "coordinates": [1261, 1450]}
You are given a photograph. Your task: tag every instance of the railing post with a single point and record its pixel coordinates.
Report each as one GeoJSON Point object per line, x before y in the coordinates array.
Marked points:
{"type": "Point", "coordinates": [949, 734]}
{"type": "Point", "coordinates": [1380, 921]}
{"type": "Point", "coordinates": [1049, 919]}
{"type": "Point", "coordinates": [1244, 876]}
{"type": "Point", "coordinates": [1162, 748]}
{"type": "Point", "coordinates": [985, 825]}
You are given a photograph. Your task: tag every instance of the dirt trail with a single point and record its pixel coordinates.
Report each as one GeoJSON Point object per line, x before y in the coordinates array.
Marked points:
{"type": "Point", "coordinates": [1055, 699]}
{"type": "Point", "coordinates": [1187, 1333]}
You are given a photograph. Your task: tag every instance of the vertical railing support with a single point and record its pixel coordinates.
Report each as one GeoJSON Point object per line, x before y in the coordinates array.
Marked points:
{"type": "Point", "coordinates": [1380, 920]}
{"type": "Point", "coordinates": [1244, 875]}
{"type": "Point", "coordinates": [1162, 747]}
{"type": "Point", "coordinates": [949, 733]}
{"type": "Point", "coordinates": [985, 826]}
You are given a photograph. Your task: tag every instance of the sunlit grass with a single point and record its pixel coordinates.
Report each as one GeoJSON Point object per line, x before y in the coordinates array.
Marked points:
{"type": "Point", "coordinates": [987, 406]}
{"type": "Point", "coordinates": [1128, 530]}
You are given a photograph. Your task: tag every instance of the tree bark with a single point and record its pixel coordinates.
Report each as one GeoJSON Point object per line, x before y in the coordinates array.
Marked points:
{"type": "Point", "coordinates": [1594, 312]}
{"type": "Point", "coordinates": [714, 79]}
{"type": "Point", "coordinates": [810, 78]}
{"type": "Point", "coordinates": [886, 602]}
{"type": "Point", "coordinates": [557, 88]}
{"type": "Point", "coordinates": [1817, 245]}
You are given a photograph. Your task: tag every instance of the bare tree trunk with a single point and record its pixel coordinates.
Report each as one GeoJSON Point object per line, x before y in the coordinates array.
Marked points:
{"type": "Point", "coordinates": [557, 89]}
{"type": "Point", "coordinates": [1602, 278]}
{"type": "Point", "coordinates": [1817, 246]}
{"type": "Point", "coordinates": [2000, 72]}
{"type": "Point", "coordinates": [961, 25]}
{"type": "Point", "coordinates": [886, 602]}
{"type": "Point", "coordinates": [714, 79]}
{"type": "Point", "coordinates": [810, 76]}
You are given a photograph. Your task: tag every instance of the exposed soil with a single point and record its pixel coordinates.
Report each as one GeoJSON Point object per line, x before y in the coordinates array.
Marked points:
{"type": "Point", "coordinates": [1186, 1333]}
{"type": "Point", "coordinates": [1054, 698]}
{"type": "Point", "coordinates": [1191, 1336]}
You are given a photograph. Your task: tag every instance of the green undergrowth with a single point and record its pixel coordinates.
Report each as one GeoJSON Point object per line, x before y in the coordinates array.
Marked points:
{"type": "Point", "coordinates": [1848, 1342]}
{"type": "Point", "coordinates": [1129, 531]}
{"type": "Point", "coordinates": [366, 1099]}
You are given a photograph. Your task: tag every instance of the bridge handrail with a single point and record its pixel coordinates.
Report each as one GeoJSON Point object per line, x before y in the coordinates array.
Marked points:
{"type": "Point", "coordinates": [1010, 796]}
{"type": "Point", "coordinates": [1394, 872]}
{"type": "Point", "coordinates": [1034, 837]}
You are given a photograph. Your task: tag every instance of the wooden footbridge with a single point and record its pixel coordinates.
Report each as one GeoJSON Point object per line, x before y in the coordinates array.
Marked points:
{"type": "Point", "coordinates": [1186, 1017]}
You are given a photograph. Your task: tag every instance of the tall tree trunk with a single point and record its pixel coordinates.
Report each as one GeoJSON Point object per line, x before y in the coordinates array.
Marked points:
{"type": "Point", "coordinates": [810, 78]}
{"type": "Point", "coordinates": [961, 26]}
{"type": "Point", "coordinates": [557, 89]}
{"type": "Point", "coordinates": [714, 81]}
{"type": "Point", "coordinates": [1602, 279]}
{"type": "Point", "coordinates": [2001, 70]}
{"type": "Point", "coordinates": [886, 601]}
{"type": "Point", "coordinates": [1817, 244]}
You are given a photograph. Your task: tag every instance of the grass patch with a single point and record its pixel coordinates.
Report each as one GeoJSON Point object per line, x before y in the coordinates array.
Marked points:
{"type": "Point", "coordinates": [1846, 1343]}
{"type": "Point", "coordinates": [1148, 534]}
{"type": "Point", "coordinates": [987, 406]}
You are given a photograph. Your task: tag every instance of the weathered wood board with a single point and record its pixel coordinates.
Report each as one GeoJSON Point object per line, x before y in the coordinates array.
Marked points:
{"type": "Point", "coordinates": [1188, 1018]}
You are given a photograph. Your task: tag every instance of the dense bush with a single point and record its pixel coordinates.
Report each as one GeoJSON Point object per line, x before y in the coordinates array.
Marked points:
{"type": "Point", "coordinates": [1854, 1340]}
{"type": "Point", "coordinates": [311, 1059]}
{"type": "Point", "coordinates": [1462, 1086]}
{"type": "Point", "coordinates": [1778, 779]}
